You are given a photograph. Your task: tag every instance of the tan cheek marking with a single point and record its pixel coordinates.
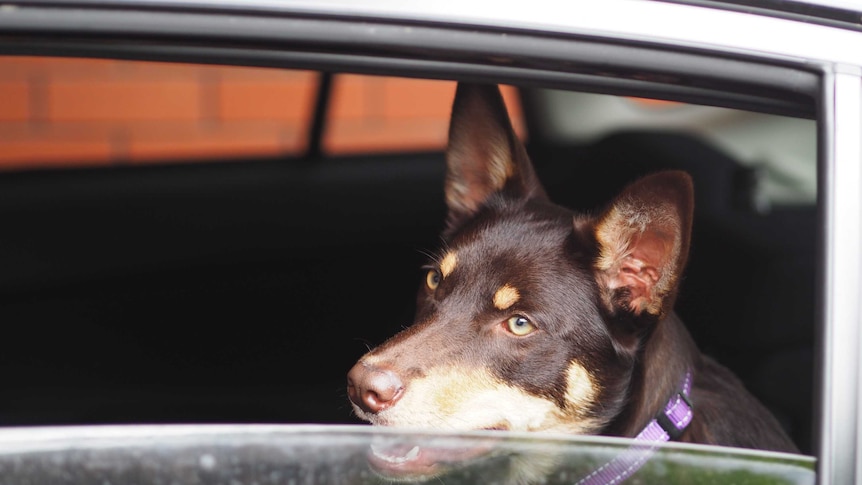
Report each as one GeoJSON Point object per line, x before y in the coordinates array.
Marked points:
{"type": "Point", "coordinates": [458, 389]}
{"type": "Point", "coordinates": [465, 398]}
{"type": "Point", "coordinates": [580, 388]}
{"type": "Point", "coordinates": [455, 397]}
{"type": "Point", "coordinates": [505, 297]}
{"type": "Point", "coordinates": [448, 263]}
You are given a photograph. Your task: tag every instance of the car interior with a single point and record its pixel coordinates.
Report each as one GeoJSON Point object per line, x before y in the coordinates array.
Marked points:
{"type": "Point", "coordinates": [241, 289]}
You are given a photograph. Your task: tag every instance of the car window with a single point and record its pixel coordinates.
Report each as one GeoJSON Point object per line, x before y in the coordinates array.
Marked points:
{"type": "Point", "coordinates": [173, 251]}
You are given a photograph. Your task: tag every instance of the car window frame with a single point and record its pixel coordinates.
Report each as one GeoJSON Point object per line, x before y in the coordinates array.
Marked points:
{"type": "Point", "coordinates": [594, 52]}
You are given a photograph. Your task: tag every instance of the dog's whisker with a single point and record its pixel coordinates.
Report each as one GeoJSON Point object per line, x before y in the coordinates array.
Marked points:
{"type": "Point", "coordinates": [365, 342]}
{"type": "Point", "coordinates": [431, 255]}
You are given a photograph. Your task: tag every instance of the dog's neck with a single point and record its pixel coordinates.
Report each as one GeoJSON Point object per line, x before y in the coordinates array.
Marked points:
{"type": "Point", "coordinates": [668, 354]}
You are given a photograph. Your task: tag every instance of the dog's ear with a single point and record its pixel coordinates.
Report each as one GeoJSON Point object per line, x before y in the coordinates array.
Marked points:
{"type": "Point", "coordinates": [643, 240]}
{"type": "Point", "coordinates": [484, 156]}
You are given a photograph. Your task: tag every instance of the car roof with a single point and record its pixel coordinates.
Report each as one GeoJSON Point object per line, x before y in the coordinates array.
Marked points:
{"type": "Point", "coordinates": [690, 24]}
{"type": "Point", "coordinates": [653, 44]}
{"type": "Point", "coordinates": [841, 13]}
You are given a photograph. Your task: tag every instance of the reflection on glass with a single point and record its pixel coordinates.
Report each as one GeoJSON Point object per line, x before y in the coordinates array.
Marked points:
{"type": "Point", "coordinates": [269, 455]}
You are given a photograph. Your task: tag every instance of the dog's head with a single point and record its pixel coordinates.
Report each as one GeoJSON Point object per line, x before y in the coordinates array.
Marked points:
{"type": "Point", "coordinates": [530, 317]}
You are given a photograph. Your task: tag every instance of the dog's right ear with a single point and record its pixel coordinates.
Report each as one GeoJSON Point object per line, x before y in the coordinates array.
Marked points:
{"type": "Point", "coordinates": [643, 241]}
{"type": "Point", "coordinates": [484, 156]}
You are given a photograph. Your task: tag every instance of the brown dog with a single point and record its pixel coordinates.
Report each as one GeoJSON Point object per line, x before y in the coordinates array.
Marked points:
{"type": "Point", "coordinates": [534, 318]}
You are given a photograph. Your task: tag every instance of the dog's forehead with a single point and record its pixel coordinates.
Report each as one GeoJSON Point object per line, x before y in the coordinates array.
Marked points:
{"type": "Point", "coordinates": [521, 262]}
{"type": "Point", "coordinates": [510, 243]}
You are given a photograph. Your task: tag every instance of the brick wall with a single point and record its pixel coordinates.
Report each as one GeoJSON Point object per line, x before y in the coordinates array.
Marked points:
{"type": "Point", "coordinates": [65, 112]}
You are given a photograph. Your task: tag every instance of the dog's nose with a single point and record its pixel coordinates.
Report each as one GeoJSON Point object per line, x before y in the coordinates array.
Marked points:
{"type": "Point", "coordinates": [373, 389]}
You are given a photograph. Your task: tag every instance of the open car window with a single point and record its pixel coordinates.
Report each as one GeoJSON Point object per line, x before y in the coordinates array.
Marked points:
{"type": "Point", "coordinates": [314, 166]}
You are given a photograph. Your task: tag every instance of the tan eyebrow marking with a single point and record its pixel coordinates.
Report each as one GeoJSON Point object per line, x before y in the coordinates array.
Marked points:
{"type": "Point", "coordinates": [448, 263]}
{"type": "Point", "coordinates": [505, 297]}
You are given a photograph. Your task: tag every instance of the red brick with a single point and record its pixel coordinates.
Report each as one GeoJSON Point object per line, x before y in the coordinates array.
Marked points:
{"type": "Point", "coordinates": [243, 73]}
{"type": "Point", "coordinates": [404, 132]}
{"type": "Point", "coordinates": [286, 100]}
{"type": "Point", "coordinates": [658, 104]}
{"type": "Point", "coordinates": [418, 98]}
{"type": "Point", "coordinates": [346, 137]}
{"type": "Point", "coordinates": [14, 101]}
{"type": "Point", "coordinates": [354, 97]}
{"type": "Point", "coordinates": [25, 66]}
{"type": "Point", "coordinates": [192, 141]}
{"type": "Point", "coordinates": [53, 149]}
{"type": "Point", "coordinates": [516, 113]}
{"type": "Point", "coordinates": [151, 71]}
{"type": "Point", "coordinates": [111, 97]}
{"type": "Point", "coordinates": [137, 100]}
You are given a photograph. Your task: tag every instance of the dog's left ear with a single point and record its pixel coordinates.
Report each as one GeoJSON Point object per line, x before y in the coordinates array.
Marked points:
{"type": "Point", "coordinates": [643, 242]}
{"type": "Point", "coordinates": [484, 157]}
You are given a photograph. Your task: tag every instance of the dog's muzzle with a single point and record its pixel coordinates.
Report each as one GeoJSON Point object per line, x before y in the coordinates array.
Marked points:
{"type": "Point", "coordinates": [373, 389]}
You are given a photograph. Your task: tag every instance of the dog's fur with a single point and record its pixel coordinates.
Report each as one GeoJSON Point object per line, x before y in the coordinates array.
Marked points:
{"type": "Point", "coordinates": [598, 350]}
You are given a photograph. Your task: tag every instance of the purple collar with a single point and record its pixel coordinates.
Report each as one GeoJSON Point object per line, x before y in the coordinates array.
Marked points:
{"type": "Point", "coordinates": [675, 418]}
{"type": "Point", "coordinates": [668, 425]}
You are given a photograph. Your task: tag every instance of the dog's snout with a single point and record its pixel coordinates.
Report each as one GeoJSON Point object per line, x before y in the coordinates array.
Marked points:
{"type": "Point", "coordinates": [373, 389]}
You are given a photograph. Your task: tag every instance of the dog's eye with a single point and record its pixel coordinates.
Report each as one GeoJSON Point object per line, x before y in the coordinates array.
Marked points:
{"type": "Point", "coordinates": [432, 279]}
{"type": "Point", "coordinates": [520, 326]}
